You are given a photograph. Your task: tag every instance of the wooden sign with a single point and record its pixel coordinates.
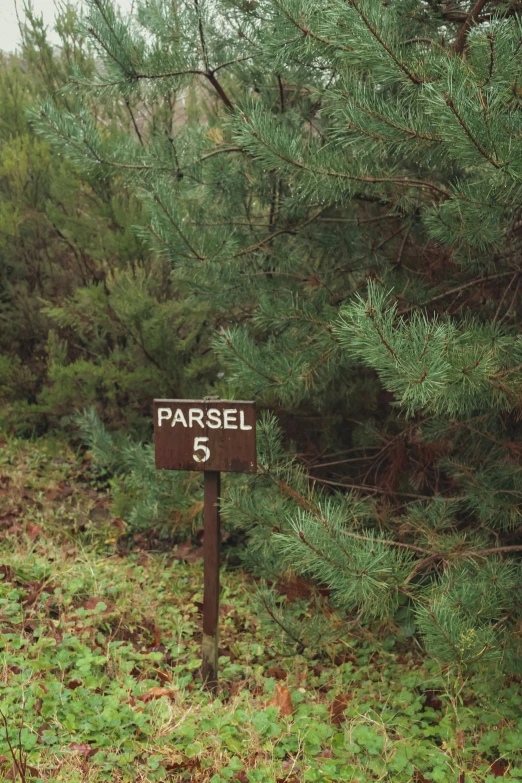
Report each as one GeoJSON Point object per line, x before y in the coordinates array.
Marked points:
{"type": "Point", "coordinates": [205, 435]}
{"type": "Point", "coordinates": [210, 436]}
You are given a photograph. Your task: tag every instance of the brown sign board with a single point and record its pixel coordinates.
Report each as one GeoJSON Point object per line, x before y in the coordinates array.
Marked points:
{"type": "Point", "coordinates": [205, 435]}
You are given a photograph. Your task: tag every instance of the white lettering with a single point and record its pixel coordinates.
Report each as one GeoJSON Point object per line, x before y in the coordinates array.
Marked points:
{"type": "Point", "coordinates": [214, 419]}
{"type": "Point", "coordinates": [242, 425]}
{"type": "Point", "coordinates": [196, 414]}
{"type": "Point", "coordinates": [198, 446]}
{"type": "Point", "coordinates": [229, 418]}
{"type": "Point", "coordinates": [164, 414]}
{"type": "Point", "coordinates": [179, 418]}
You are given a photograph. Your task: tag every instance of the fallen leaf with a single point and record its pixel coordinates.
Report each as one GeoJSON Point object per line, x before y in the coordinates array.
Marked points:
{"type": "Point", "coordinates": [43, 727]}
{"type": "Point", "coordinates": [294, 589]}
{"type": "Point", "coordinates": [327, 753]}
{"type": "Point", "coordinates": [7, 572]}
{"type": "Point", "coordinates": [83, 749]}
{"type": "Point", "coordinates": [35, 591]}
{"type": "Point", "coordinates": [173, 766]}
{"type": "Point", "coordinates": [12, 773]}
{"type": "Point", "coordinates": [33, 531]}
{"type": "Point", "coordinates": [91, 604]}
{"type": "Point", "coordinates": [338, 706]}
{"type": "Point", "coordinates": [277, 672]}
{"type": "Point", "coordinates": [318, 669]}
{"type": "Point", "coordinates": [163, 676]}
{"type": "Point", "coordinates": [186, 552]}
{"type": "Point", "coordinates": [499, 768]}
{"type": "Point", "coordinates": [344, 657]}
{"type": "Point", "coordinates": [432, 700]}
{"type": "Point", "coordinates": [157, 693]}
{"type": "Point", "coordinates": [283, 700]}
{"type": "Point", "coordinates": [65, 489]}
{"type": "Point", "coordinates": [73, 684]}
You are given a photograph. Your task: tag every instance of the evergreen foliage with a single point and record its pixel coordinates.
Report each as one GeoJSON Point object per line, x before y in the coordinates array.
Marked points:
{"type": "Point", "coordinates": [87, 315]}
{"type": "Point", "coordinates": [349, 208]}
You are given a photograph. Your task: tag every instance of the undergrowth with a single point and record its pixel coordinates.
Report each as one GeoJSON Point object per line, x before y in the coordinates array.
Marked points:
{"type": "Point", "coordinates": [99, 655]}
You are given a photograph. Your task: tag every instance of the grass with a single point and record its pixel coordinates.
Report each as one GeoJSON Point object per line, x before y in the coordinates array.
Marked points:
{"type": "Point", "coordinates": [99, 656]}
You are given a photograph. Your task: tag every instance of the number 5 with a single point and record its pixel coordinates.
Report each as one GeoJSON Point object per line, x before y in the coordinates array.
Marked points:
{"type": "Point", "coordinates": [198, 446]}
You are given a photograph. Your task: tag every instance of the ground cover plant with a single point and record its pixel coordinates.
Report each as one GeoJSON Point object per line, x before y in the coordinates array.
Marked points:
{"type": "Point", "coordinates": [100, 664]}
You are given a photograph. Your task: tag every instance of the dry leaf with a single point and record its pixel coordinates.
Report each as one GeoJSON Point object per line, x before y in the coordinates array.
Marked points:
{"type": "Point", "coordinates": [163, 676]}
{"type": "Point", "coordinates": [92, 603]}
{"type": "Point", "coordinates": [83, 749]}
{"type": "Point", "coordinates": [432, 700]}
{"type": "Point", "coordinates": [157, 693]}
{"type": "Point", "coordinates": [277, 672]}
{"type": "Point", "coordinates": [338, 706]}
{"type": "Point", "coordinates": [499, 768]}
{"type": "Point", "coordinates": [283, 700]}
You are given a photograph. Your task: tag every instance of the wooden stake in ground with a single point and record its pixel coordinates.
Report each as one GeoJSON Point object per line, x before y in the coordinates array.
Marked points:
{"type": "Point", "coordinates": [212, 436]}
{"type": "Point", "coordinates": [211, 542]}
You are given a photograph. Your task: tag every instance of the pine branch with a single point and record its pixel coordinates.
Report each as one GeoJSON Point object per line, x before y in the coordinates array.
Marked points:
{"type": "Point", "coordinates": [476, 144]}
{"type": "Point", "coordinates": [460, 41]}
{"type": "Point", "coordinates": [411, 76]}
{"type": "Point", "coordinates": [458, 289]}
{"type": "Point", "coordinates": [354, 177]}
{"type": "Point", "coordinates": [219, 89]}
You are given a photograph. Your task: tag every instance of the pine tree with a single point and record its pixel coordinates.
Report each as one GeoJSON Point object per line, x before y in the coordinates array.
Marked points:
{"type": "Point", "coordinates": [350, 206]}
{"type": "Point", "coordinates": [87, 315]}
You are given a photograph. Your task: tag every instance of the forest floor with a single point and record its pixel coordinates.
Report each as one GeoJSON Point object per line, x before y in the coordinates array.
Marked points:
{"type": "Point", "coordinates": [99, 655]}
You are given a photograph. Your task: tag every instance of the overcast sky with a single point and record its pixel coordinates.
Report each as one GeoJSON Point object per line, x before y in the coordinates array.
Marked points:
{"type": "Point", "coordinates": [9, 34]}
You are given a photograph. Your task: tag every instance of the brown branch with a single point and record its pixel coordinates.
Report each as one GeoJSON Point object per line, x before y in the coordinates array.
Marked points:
{"type": "Point", "coordinates": [220, 151]}
{"type": "Point", "coordinates": [495, 549]}
{"type": "Point", "coordinates": [287, 230]}
{"type": "Point", "coordinates": [457, 289]}
{"type": "Point", "coordinates": [219, 89]}
{"type": "Point", "coordinates": [135, 124]}
{"type": "Point", "coordinates": [460, 41]}
{"type": "Point", "coordinates": [371, 312]}
{"type": "Point", "coordinates": [368, 488]}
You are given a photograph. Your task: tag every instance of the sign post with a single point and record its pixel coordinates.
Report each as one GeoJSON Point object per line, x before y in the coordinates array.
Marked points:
{"type": "Point", "coordinates": [212, 436]}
